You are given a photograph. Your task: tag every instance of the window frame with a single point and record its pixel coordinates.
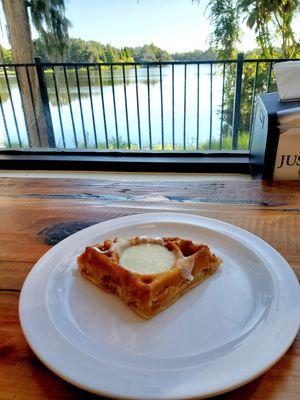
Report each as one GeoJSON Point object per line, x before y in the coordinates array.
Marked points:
{"type": "Point", "coordinates": [231, 161]}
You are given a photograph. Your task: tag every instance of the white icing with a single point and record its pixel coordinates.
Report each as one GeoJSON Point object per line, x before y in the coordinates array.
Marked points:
{"type": "Point", "coordinates": [97, 249]}
{"type": "Point", "coordinates": [119, 245]}
{"type": "Point", "coordinates": [185, 266]}
{"type": "Point", "coordinates": [150, 258]}
{"type": "Point", "coordinates": [147, 258]}
{"type": "Point", "coordinates": [159, 241]}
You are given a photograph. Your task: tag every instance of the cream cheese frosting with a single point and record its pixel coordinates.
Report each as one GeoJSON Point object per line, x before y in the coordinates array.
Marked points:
{"type": "Point", "coordinates": [186, 266]}
{"type": "Point", "coordinates": [147, 258]}
{"type": "Point", "coordinates": [150, 258]}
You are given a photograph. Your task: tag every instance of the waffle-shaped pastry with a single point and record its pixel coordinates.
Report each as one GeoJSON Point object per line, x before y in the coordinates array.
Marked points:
{"type": "Point", "coordinates": [148, 274]}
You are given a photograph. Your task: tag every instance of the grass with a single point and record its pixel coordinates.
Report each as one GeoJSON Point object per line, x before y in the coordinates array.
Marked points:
{"type": "Point", "coordinates": [243, 142]}
{"type": "Point", "coordinates": [13, 146]}
{"type": "Point", "coordinates": [8, 71]}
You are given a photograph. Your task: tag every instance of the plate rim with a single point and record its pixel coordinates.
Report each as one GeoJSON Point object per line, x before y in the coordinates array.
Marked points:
{"type": "Point", "coordinates": [112, 394]}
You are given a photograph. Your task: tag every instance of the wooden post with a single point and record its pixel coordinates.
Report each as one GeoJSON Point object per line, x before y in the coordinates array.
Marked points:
{"type": "Point", "coordinates": [45, 101]}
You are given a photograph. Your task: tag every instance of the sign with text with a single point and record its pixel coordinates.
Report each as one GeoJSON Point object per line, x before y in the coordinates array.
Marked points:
{"type": "Point", "coordinates": [275, 139]}
{"type": "Point", "coordinates": [287, 164]}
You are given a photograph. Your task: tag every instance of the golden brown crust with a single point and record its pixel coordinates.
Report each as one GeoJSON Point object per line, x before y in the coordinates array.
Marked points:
{"type": "Point", "coordinates": [149, 294]}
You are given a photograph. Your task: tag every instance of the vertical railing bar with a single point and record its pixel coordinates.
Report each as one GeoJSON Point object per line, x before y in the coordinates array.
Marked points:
{"type": "Point", "coordinates": [210, 105]}
{"type": "Point", "coordinates": [198, 104]}
{"type": "Point", "coordinates": [138, 106]}
{"type": "Point", "coordinates": [269, 76]}
{"type": "Point", "coordinates": [253, 97]}
{"type": "Point", "coordinates": [114, 103]}
{"type": "Point", "coordinates": [80, 106]}
{"type": "Point", "coordinates": [58, 107]}
{"type": "Point", "coordinates": [161, 109]}
{"type": "Point", "coordinates": [92, 106]}
{"type": "Point", "coordinates": [103, 106]}
{"type": "Point", "coordinates": [149, 108]}
{"type": "Point", "coordinates": [237, 100]}
{"type": "Point", "coordinates": [70, 105]}
{"type": "Point", "coordinates": [222, 108]}
{"type": "Point", "coordinates": [33, 106]}
{"type": "Point", "coordinates": [126, 107]}
{"type": "Point", "coordinates": [12, 106]}
{"type": "Point", "coordinates": [5, 124]}
{"type": "Point", "coordinates": [184, 110]}
{"type": "Point", "coordinates": [23, 106]}
{"type": "Point", "coordinates": [173, 109]}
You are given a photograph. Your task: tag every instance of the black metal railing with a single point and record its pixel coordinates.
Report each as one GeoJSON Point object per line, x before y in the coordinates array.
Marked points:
{"type": "Point", "coordinates": [189, 106]}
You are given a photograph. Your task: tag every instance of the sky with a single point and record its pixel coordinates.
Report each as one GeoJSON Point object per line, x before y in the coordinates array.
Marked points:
{"type": "Point", "coordinates": [173, 25]}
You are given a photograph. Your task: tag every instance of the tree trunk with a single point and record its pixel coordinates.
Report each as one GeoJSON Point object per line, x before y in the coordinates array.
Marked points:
{"type": "Point", "coordinates": [22, 53]}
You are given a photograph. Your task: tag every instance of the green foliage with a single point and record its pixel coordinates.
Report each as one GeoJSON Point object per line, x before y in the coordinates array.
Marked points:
{"type": "Point", "coordinates": [150, 52]}
{"type": "Point", "coordinates": [271, 20]}
{"type": "Point", "coordinates": [224, 16]}
{"type": "Point", "coordinates": [5, 55]}
{"type": "Point", "coordinates": [243, 143]}
{"type": "Point", "coordinates": [196, 55]}
{"type": "Point", "coordinates": [80, 50]}
{"type": "Point", "coordinates": [255, 82]}
{"type": "Point", "coordinates": [48, 18]}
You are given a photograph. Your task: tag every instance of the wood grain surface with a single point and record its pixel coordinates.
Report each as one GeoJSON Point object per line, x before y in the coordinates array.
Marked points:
{"type": "Point", "coordinates": [37, 213]}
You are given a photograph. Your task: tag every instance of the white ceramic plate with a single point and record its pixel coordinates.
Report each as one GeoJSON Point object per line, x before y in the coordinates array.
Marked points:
{"type": "Point", "coordinates": [218, 336]}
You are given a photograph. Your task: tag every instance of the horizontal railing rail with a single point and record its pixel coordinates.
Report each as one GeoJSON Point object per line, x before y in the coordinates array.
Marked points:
{"type": "Point", "coordinates": [134, 106]}
{"type": "Point", "coordinates": [154, 63]}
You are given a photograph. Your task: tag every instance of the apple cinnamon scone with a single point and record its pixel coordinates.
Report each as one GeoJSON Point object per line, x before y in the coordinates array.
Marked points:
{"type": "Point", "coordinates": [148, 274]}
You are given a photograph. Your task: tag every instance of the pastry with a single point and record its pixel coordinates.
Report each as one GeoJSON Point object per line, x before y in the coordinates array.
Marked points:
{"type": "Point", "coordinates": [147, 274]}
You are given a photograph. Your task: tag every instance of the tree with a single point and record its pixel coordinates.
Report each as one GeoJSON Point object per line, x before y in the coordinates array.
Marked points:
{"type": "Point", "coordinates": [48, 18]}
{"type": "Point", "coordinates": [40, 50]}
{"type": "Point", "coordinates": [276, 15]}
{"type": "Point", "coordinates": [224, 16]}
{"type": "Point", "coordinates": [150, 52]}
{"type": "Point", "coordinates": [110, 54]}
{"type": "Point", "coordinates": [271, 20]}
{"type": "Point", "coordinates": [128, 52]}
{"type": "Point", "coordinates": [78, 51]}
{"type": "Point", "coordinates": [195, 55]}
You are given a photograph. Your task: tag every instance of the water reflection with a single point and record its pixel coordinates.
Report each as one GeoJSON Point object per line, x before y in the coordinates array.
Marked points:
{"type": "Point", "coordinates": [173, 111]}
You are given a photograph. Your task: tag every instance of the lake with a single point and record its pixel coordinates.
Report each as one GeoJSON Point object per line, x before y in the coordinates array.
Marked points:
{"type": "Point", "coordinates": [131, 91]}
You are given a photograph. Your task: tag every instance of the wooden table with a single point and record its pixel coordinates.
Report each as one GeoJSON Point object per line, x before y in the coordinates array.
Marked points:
{"type": "Point", "coordinates": [37, 213]}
